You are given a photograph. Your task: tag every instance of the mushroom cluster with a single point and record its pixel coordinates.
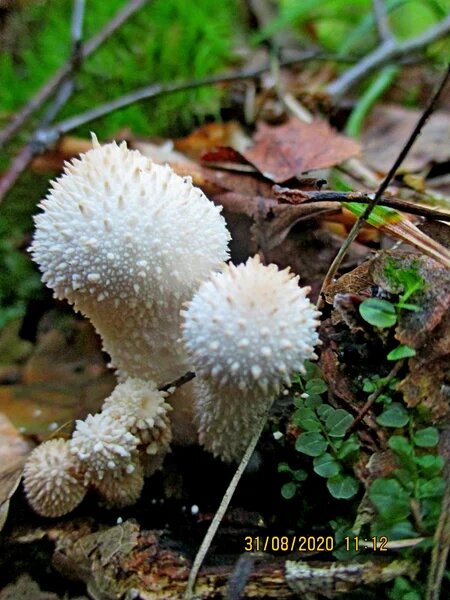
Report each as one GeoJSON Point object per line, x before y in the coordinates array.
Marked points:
{"type": "Point", "coordinates": [129, 243]}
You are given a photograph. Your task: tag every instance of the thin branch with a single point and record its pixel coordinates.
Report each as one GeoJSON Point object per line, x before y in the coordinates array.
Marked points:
{"type": "Point", "coordinates": [178, 382]}
{"type": "Point", "coordinates": [63, 72]}
{"type": "Point", "coordinates": [296, 197]}
{"type": "Point", "coordinates": [441, 539]}
{"type": "Point", "coordinates": [387, 52]}
{"type": "Point", "coordinates": [215, 523]}
{"type": "Point", "coordinates": [379, 193]}
{"type": "Point", "coordinates": [67, 86]}
{"type": "Point", "coordinates": [158, 89]}
{"type": "Point", "coordinates": [17, 167]}
{"type": "Point", "coordinates": [381, 20]}
{"type": "Point", "coordinates": [37, 143]}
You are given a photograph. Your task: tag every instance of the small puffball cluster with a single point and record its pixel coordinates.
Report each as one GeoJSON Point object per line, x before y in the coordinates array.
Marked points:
{"type": "Point", "coordinates": [144, 411]}
{"type": "Point", "coordinates": [247, 331]}
{"type": "Point", "coordinates": [52, 479]}
{"type": "Point", "coordinates": [109, 452]}
{"type": "Point", "coordinates": [102, 443]}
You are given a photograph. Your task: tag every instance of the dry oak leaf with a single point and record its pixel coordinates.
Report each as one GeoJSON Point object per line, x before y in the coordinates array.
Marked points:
{"type": "Point", "coordinates": [13, 452]}
{"type": "Point", "coordinates": [288, 150]}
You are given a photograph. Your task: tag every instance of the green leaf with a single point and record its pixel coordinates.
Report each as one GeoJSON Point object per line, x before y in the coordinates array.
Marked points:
{"type": "Point", "coordinates": [434, 488]}
{"type": "Point", "coordinates": [348, 447]}
{"type": "Point", "coordinates": [390, 499]}
{"type": "Point", "coordinates": [307, 419]}
{"type": "Point", "coordinates": [314, 401]}
{"type": "Point", "coordinates": [426, 438]}
{"type": "Point", "coordinates": [288, 490]}
{"type": "Point", "coordinates": [401, 351]}
{"type": "Point", "coordinates": [401, 446]}
{"type": "Point", "coordinates": [430, 464]}
{"type": "Point", "coordinates": [342, 486]}
{"type": "Point", "coordinates": [316, 386]}
{"type": "Point", "coordinates": [395, 415]}
{"type": "Point", "coordinates": [378, 312]}
{"type": "Point", "coordinates": [284, 468]}
{"type": "Point", "coordinates": [300, 475]}
{"type": "Point", "coordinates": [311, 443]}
{"type": "Point", "coordinates": [326, 465]}
{"type": "Point", "coordinates": [338, 422]}
{"type": "Point", "coordinates": [324, 410]}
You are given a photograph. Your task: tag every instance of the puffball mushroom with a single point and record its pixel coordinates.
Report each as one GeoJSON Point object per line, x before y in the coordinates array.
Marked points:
{"type": "Point", "coordinates": [101, 443]}
{"type": "Point", "coordinates": [144, 411]}
{"type": "Point", "coordinates": [247, 330]}
{"type": "Point", "coordinates": [127, 241]}
{"type": "Point", "coordinates": [52, 481]}
{"type": "Point", "coordinates": [120, 488]}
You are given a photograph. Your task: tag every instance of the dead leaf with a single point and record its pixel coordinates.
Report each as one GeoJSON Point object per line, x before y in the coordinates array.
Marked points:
{"type": "Point", "coordinates": [210, 136]}
{"type": "Point", "coordinates": [286, 151]}
{"type": "Point", "coordinates": [388, 128]}
{"type": "Point", "coordinates": [13, 452]}
{"type": "Point", "coordinates": [64, 379]}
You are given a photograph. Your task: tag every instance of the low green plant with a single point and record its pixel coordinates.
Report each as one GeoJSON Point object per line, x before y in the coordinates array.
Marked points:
{"type": "Point", "coordinates": [408, 502]}
{"type": "Point", "coordinates": [384, 314]}
{"type": "Point", "coordinates": [323, 438]}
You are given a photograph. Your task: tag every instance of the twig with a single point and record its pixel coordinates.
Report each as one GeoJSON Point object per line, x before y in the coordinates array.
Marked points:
{"type": "Point", "coordinates": [38, 141]}
{"type": "Point", "coordinates": [19, 164]}
{"type": "Point", "coordinates": [178, 382]}
{"type": "Point", "coordinates": [381, 20]}
{"type": "Point", "coordinates": [376, 394]}
{"type": "Point", "coordinates": [379, 193]}
{"type": "Point", "coordinates": [158, 89]}
{"type": "Point", "coordinates": [63, 72]}
{"type": "Point", "coordinates": [360, 197]}
{"type": "Point", "coordinates": [441, 539]}
{"type": "Point", "coordinates": [67, 86]}
{"type": "Point", "coordinates": [387, 52]}
{"type": "Point", "coordinates": [203, 550]}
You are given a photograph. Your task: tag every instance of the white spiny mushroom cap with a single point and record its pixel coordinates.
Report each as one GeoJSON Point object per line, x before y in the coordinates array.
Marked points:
{"type": "Point", "coordinates": [251, 325]}
{"type": "Point", "coordinates": [52, 483]}
{"type": "Point", "coordinates": [127, 241]}
{"type": "Point", "coordinates": [247, 330]}
{"type": "Point", "coordinates": [120, 488]}
{"type": "Point", "coordinates": [144, 411]}
{"type": "Point", "coordinates": [102, 443]}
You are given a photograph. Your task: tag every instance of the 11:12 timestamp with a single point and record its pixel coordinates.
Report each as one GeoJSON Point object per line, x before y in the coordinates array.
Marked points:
{"type": "Point", "coordinates": [376, 544]}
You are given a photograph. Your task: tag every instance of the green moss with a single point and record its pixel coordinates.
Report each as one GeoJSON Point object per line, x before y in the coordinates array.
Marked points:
{"type": "Point", "coordinates": [164, 41]}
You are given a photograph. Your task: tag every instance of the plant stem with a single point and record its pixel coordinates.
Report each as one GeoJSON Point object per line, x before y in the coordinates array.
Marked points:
{"type": "Point", "coordinates": [369, 98]}
{"type": "Point", "coordinates": [379, 193]}
{"type": "Point", "coordinates": [215, 523]}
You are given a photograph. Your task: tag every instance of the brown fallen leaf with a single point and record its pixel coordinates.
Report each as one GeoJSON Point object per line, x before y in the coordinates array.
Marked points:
{"type": "Point", "coordinates": [286, 151]}
{"type": "Point", "coordinates": [388, 128]}
{"type": "Point", "coordinates": [210, 136]}
{"type": "Point", "coordinates": [13, 452]}
{"type": "Point", "coordinates": [64, 379]}
{"type": "Point", "coordinates": [26, 589]}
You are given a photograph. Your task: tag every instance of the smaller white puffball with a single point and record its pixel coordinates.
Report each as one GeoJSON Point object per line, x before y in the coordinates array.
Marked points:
{"type": "Point", "coordinates": [143, 410]}
{"type": "Point", "coordinates": [101, 444]}
{"type": "Point", "coordinates": [52, 482]}
{"type": "Point", "coordinates": [247, 330]}
{"type": "Point", "coordinates": [250, 326]}
{"type": "Point", "coordinates": [121, 488]}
